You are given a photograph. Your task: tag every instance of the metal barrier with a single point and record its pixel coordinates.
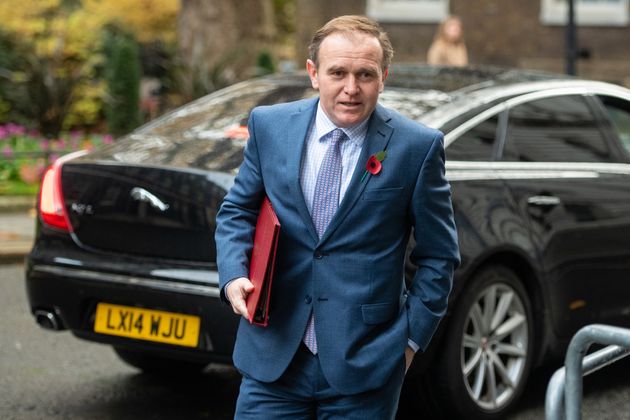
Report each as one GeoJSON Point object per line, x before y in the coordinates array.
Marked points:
{"type": "Point", "coordinates": [564, 392]}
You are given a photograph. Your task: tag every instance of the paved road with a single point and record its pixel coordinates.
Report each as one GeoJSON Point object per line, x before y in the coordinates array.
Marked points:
{"type": "Point", "coordinates": [52, 375]}
{"type": "Point", "coordinates": [47, 375]}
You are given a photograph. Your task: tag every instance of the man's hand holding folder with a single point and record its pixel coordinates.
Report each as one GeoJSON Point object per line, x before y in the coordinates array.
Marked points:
{"type": "Point", "coordinates": [236, 292]}
{"type": "Point", "coordinates": [250, 297]}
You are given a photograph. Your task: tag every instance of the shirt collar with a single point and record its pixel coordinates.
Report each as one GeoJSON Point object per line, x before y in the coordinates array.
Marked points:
{"type": "Point", "coordinates": [323, 126]}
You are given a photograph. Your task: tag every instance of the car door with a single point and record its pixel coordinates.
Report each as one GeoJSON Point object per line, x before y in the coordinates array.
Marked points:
{"type": "Point", "coordinates": [486, 221]}
{"type": "Point", "coordinates": [573, 187]}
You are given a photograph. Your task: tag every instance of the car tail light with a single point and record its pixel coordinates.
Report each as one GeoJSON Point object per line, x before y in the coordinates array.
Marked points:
{"type": "Point", "coordinates": [51, 205]}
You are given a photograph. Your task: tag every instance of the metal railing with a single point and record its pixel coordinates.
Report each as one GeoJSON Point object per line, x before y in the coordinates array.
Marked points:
{"type": "Point", "coordinates": [564, 392]}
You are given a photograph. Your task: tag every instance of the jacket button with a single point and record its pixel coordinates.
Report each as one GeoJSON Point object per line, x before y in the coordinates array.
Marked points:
{"type": "Point", "coordinates": [318, 255]}
{"type": "Point", "coordinates": [308, 299]}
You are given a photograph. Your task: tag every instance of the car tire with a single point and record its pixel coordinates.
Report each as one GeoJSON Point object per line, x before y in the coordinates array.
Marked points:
{"type": "Point", "coordinates": [152, 363]}
{"type": "Point", "coordinates": [489, 347]}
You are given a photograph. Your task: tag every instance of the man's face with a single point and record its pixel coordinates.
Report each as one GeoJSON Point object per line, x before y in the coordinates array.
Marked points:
{"type": "Point", "coordinates": [349, 77]}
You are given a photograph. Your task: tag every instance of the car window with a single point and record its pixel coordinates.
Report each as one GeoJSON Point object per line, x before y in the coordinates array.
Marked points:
{"type": "Point", "coordinates": [477, 144]}
{"type": "Point", "coordinates": [619, 113]}
{"type": "Point", "coordinates": [556, 129]}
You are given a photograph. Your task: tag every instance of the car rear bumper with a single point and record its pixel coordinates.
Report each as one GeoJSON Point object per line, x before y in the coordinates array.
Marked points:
{"type": "Point", "coordinates": [72, 293]}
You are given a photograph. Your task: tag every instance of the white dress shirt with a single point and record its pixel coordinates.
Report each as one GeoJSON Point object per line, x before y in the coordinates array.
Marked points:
{"type": "Point", "coordinates": [317, 141]}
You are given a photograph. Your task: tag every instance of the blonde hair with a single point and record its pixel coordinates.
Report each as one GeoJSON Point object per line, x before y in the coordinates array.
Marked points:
{"type": "Point", "coordinates": [348, 25]}
{"type": "Point", "coordinates": [439, 34]}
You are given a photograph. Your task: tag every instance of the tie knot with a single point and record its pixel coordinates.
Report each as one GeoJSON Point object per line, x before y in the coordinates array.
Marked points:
{"type": "Point", "coordinates": [337, 136]}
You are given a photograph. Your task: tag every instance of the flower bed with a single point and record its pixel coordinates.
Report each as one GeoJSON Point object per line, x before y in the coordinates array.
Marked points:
{"type": "Point", "coordinates": [26, 154]}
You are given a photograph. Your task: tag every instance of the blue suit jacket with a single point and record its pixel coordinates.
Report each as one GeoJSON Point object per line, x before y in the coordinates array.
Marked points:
{"type": "Point", "coordinates": [352, 278]}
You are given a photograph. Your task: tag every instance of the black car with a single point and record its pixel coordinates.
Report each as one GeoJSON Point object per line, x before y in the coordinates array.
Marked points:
{"type": "Point", "coordinates": [539, 166]}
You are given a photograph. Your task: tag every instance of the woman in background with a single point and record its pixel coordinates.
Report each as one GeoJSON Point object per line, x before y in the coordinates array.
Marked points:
{"type": "Point", "coordinates": [448, 47]}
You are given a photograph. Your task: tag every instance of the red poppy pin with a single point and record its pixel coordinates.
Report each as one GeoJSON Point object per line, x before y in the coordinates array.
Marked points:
{"type": "Point", "coordinates": [373, 164]}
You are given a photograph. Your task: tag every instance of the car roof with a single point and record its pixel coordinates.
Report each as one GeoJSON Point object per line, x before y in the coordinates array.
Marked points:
{"type": "Point", "coordinates": [435, 95]}
{"type": "Point", "coordinates": [444, 78]}
{"type": "Point", "coordinates": [456, 80]}
{"type": "Point", "coordinates": [466, 100]}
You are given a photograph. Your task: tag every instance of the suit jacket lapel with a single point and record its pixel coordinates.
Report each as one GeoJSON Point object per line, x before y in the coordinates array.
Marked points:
{"type": "Point", "coordinates": [378, 135]}
{"type": "Point", "coordinates": [296, 139]}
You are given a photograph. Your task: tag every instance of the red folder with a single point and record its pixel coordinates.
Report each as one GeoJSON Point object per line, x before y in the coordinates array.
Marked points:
{"type": "Point", "coordinates": [262, 264]}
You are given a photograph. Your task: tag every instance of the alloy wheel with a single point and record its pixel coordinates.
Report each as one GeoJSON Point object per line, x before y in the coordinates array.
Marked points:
{"type": "Point", "coordinates": [494, 346]}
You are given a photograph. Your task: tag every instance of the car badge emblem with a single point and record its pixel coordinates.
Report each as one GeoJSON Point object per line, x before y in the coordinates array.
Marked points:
{"type": "Point", "coordinates": [141, 194]}
{"type": "Point", "coordinates": [81, 209]}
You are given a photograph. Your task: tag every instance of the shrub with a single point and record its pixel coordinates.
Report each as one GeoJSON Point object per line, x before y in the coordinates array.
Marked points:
{"type": "Point", "coordinates": [123, 85]}
{"type": "Point", "coordinates": [26, 153]}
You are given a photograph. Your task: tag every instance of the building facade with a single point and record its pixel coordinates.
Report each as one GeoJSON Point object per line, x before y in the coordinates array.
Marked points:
{"type": "Point", "coordinates": [515, 33]}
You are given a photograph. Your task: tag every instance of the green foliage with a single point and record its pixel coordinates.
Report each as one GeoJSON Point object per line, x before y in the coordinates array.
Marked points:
{"type": "Point", "coordinates": [25, 154]}
{"type": "Point", "coordinates": [39, 87]}
{"type": "Point", "coordinates": [122, 74]}
{"type": "Point", "coordinates": [264, 62]}
{"type": "Point", "coordinates": [284, 13]}
{"type": "Point", "coordinates": [51, 57]}
{"type": "Point", "coordinates": [18, 188]}
{"type": "Point", "coordinates": [15, 64]}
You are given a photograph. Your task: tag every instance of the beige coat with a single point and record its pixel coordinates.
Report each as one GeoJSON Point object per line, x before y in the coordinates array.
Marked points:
{"type": "Point", "coordinates": [442, 53]}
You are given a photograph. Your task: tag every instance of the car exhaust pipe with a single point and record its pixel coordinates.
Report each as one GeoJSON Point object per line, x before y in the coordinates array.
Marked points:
{"type": "Point", "coordinates": [48, 320]}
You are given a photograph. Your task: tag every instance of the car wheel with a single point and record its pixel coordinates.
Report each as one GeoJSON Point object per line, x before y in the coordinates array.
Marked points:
{"type": "Point", "coordinates": [489, 347]}
{"type": "Point", "coordinates": [155, 364]}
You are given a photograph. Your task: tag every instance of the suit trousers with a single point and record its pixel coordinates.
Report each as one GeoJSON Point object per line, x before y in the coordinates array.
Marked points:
{"type": "Point", "coordinates": [302, 392]}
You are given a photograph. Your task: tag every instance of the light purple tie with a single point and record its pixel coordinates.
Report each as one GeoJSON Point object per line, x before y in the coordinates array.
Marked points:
{"type": "Point", "coordinates": [325, 203]}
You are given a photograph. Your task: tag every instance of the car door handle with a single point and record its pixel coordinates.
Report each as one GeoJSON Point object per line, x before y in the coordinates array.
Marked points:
{"type": "Point", "coordinates": [543, 200]}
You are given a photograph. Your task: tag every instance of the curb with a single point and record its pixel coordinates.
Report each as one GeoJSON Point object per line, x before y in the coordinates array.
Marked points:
{"type": "Point", "coordinates": [15, 250]}
{"type": "Point", "coordinates": [15, 245]}
{"type": "Point", "coordinates": [15, 257]}
{"type": "Point", "coordinates": [14, 204]}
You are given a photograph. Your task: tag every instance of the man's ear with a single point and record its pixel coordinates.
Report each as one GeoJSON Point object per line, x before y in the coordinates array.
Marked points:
{"type": "Point", "coordinates": [311, 68]}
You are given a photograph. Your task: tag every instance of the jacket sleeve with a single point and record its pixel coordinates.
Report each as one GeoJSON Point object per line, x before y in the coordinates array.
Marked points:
{"type": "Point", "coordinates": [236, 219]}
{"type": "Point", "coordinates": [436, 253]}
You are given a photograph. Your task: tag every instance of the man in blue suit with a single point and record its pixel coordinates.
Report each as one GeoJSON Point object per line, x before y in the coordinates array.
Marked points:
{"type": "Point", "coordinates": [349, 181]}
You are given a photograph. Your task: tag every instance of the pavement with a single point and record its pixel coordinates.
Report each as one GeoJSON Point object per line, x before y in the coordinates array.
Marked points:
{"type": "Point", "coordinates": [17, 228]}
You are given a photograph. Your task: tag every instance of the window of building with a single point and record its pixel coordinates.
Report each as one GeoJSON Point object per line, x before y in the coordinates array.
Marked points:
{"type": "Point", "coordinates": [407, 10]}
{"type": "Point", "coordinates": [587, 12]}
{"type": "Point", "coordinates": [558, 129]}
{"type": "Point", "coordinates": [477, 144]}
